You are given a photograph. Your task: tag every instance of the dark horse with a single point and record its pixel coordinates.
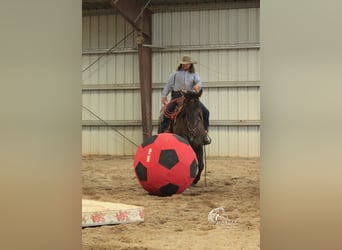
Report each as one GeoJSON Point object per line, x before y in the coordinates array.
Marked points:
{"type": "Point", "coordinates": [189, 124]}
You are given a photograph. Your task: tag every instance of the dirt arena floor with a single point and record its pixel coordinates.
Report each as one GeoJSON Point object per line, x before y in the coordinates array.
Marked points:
{"type": "Point", "coordinates": [178, 222]}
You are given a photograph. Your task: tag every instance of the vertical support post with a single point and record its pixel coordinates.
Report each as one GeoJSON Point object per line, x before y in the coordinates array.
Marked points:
{"type": "Point", "coordinates": [145, 73]}
{"type": "Point", "coordinates": [140, 17]}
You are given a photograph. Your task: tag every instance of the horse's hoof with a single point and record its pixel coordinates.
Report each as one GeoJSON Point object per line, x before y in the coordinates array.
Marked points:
{"type": "Point", "coordinates": [195, 182]}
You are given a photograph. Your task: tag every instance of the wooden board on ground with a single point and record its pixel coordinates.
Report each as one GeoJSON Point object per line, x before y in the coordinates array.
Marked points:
{"type": "Point", "coordinates": [99, 213]}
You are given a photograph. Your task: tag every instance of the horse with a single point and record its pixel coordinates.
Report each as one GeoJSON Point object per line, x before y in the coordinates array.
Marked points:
{"type": "Point", "coordinates": [188, 123]}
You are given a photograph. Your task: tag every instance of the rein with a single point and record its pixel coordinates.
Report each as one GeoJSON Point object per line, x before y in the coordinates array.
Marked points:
{"type": "Point", "coordinates": [172, 115]}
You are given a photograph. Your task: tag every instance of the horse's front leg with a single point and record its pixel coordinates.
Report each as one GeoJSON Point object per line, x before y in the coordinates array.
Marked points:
{"type": "Point", "coordinates": [199, 155]}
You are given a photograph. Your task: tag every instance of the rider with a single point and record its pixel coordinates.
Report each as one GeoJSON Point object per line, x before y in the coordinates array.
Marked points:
{"type": "Point", "coordinates": [186, 78]}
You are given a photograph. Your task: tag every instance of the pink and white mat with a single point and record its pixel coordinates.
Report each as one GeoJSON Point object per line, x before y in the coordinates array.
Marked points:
{"type": "Point", "coordinates": [99, 213]}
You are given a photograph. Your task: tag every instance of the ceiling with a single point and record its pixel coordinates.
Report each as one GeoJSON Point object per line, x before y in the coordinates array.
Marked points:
{"type": "Point", "coordinates": [160, 5]}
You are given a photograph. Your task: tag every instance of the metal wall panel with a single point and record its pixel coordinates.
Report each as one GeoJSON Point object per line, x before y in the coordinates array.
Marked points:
{"type": "Point", "coordinates": [234, 141]}
{"type": "Point", "coordinates": [110, 141]}
{"type": "Point", "coordinates": [111, 69]}
{"type": "Point", "coordinates": [225, 43]}
{"type": "Point", "coordinates": [233, 103]}
{"type": "Point", "coordinates": [213, 65]}
{"type": "Point", "coordinates": [100, 33]}
{"type": "Point", "coordinates": [112, 105]}
{"type": "Point", "coordinates": [206, 27]}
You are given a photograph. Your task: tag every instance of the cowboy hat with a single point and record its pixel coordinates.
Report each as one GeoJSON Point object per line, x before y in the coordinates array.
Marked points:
{"type": "Point", "coordinates": [187, 60]}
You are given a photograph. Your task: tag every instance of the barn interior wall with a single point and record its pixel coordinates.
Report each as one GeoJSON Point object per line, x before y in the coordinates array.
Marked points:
{"type": "Point", "coordinates": [224, 42]}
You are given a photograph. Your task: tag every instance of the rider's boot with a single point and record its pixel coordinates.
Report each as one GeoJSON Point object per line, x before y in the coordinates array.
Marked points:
{"type": "Point", "coordinates": [206, 139]}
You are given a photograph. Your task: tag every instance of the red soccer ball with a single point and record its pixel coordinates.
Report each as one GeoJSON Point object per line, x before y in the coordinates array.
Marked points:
{"type": "Point", "coordinates": [165, 164]}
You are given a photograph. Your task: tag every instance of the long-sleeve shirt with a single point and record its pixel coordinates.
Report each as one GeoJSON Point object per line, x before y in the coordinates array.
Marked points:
{"type": "Point", "coordinates": [181, 79]}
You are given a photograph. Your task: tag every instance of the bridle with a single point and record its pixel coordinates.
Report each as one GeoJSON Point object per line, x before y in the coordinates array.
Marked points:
{"type": "Point", "coordinates": [193, 125]}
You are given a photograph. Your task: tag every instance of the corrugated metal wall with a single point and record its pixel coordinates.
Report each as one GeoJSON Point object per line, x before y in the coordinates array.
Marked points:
{"type": "Point", "coordinates": [225, 43]}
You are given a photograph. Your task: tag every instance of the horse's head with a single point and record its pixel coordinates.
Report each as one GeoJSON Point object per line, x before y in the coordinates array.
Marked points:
{"type": "Point", "coordinates": [189, 122]}
{"type": "Point", "coordinates": [192, 94]}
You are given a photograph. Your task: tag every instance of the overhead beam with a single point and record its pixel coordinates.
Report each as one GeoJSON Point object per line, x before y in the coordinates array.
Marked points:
{"type": "Point", "coordinates": [207, 85]}
{"type": "Point", "coordinates": [159, 48]}
{"type": "Point", "coordinates": [133, 11]}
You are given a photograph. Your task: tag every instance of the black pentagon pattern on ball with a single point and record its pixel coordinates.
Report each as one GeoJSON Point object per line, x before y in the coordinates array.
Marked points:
{"type": "Point", "coordinates": [141, 172]}
{"type": "Point", "coordinates": [168, 158]}
{"type": "Point", "coordinates": [193, 169]}
{"type": "Point", "coordinates": [181, 139]}
{"type": "Point", "coordinates": [168, 189]}
{"type": "Point", "coordinates": [149, 140]}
